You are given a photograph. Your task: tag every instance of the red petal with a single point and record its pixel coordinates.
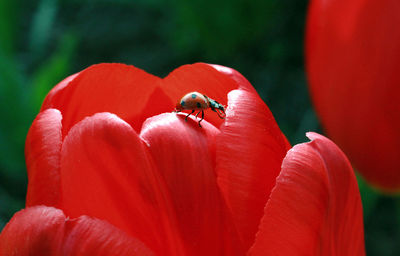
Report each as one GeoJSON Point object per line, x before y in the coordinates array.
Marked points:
{"type": "Point", "coordinates": [315, 207]}
{"type": "Point", "coordinates": [42, 151]}
{"type": "Point", "coordinates": [206, 79]}
{"type": "Point", "coordinates": [353, 59]}
{"type": "Point", "coordinates": [45, 231]}
{"type": "Point", "coordinates": [107, 173]}
{"type": "Point", "coordinates": [185, 156]}
{"type": "Point", "coordinates": [48, 101]}
{"type": "Point", "coordinates": [241, 81]}
{"type": "Point", "coordinates": [88, 236]}
{"type": "Point", "coordinates": [116, 88]}
{"type": "Point", "coordinates": [250, 150]}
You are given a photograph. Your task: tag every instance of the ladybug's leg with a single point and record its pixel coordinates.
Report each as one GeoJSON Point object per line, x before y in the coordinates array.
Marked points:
{"type": "Point", "coordinates": [221, 114]}
{"type": "Point", "coordinates": [197, 114]}
{"type": "Point", "coordinates": [189, 115]}
{"type": "Point", "coordinates": [202, 117]}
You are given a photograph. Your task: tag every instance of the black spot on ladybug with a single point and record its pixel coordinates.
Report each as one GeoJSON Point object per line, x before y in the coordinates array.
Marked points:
{"type": "Point", "coordinates": [198, 104]}
{"type": "Point", "coordinates": [194, 96]}
{"type": "Point", "coordinates": [182, 103]}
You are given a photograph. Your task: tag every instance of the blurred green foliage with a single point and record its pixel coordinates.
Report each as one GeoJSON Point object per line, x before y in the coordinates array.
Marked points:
{"type": "Point", "coordinates": [43, 41]}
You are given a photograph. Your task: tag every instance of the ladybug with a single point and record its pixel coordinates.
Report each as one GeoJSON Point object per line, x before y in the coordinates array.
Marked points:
{"type": "Point", "coordinates": [197, 101]}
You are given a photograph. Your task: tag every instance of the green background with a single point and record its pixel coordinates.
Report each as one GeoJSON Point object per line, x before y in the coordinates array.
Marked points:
{"type": "Point", "coordinates": [42, 42]}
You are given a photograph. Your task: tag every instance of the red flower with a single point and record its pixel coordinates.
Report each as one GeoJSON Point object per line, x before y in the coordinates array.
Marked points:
{"type": "Point", "coordinates": [101, 148]}
{"type": "Point", "coordinates": [353, 59]}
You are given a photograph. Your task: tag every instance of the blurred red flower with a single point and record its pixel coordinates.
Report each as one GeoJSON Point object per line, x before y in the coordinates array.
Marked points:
{"type": "Point", "coordinates": [353, 60]}
{"type": "Point", "coordinates": [152, 183]}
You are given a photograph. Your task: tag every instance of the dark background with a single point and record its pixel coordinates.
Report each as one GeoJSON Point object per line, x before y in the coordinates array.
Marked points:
{"type": "Point", "coordinates": [42, 42]}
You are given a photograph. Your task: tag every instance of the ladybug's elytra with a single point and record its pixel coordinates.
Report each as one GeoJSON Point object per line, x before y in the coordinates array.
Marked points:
{"type": "Point", "coordinates": [197, 101]}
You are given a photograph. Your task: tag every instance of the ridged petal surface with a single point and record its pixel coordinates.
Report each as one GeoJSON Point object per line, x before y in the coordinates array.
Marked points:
{"type": "Point", "coordinates": [185, 156]}
{"type": "Point", "coordinates": [315, 207]}
{"type": "Point", "coordinates": [40, 230]}
{"type": "Point", "coordinates": [250, 150]}
{"type": "Point", "coordinates": [107, 173]}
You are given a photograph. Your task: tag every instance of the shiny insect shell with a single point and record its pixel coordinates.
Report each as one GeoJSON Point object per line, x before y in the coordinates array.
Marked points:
{"type": "Point", "coordinates": [196, 101]}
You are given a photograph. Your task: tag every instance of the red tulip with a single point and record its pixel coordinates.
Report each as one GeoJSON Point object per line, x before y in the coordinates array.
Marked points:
{"type": "Point", "coordinates": [101, 148]}
{"type": "Point", "coordinates": [353, 60]}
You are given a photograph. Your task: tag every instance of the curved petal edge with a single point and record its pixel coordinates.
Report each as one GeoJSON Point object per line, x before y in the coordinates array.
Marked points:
{"type": "Point", "coordinates": [43, 153]}
{"type": "Point", "coordinates": [44, 230]}
{"type": "Point", "coordinates": [315, 207]}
